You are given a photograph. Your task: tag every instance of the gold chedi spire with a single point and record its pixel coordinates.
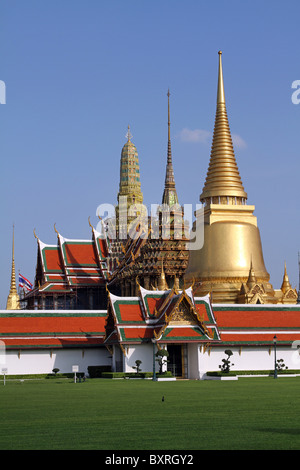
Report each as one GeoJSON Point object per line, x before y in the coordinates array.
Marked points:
{"type": "Point", "coordinates": [226, 224]}
{"type": "Point", "coordinates": [13, 300]}
{"type": "Point", "coordinates": [223, 182]}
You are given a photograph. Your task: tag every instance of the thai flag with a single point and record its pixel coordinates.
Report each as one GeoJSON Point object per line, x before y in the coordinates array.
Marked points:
{"type": "Point", "coordinates": [23, 282]}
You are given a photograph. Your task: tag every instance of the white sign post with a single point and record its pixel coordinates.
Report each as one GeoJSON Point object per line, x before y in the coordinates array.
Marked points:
{"type": "Point", "coordinates": [75, 369]}
{"type": "Point", "coordinates": [4, 371]}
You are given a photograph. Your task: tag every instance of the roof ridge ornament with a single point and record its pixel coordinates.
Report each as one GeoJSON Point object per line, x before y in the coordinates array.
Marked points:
{"type": "Point", "coordinates": [89, 219]}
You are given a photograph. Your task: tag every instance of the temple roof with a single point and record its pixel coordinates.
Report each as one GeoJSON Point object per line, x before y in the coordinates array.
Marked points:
{"type": "Point", "coordinates": [71, 263]}
{"type": "Point", "coordinates": [166, 317]}
{"type": "Point", "coordinates": [163, 316]}
{"type": "Point", "coordinates": [257, 324]}
{"type": "Point", "coordinates": [52, 329]}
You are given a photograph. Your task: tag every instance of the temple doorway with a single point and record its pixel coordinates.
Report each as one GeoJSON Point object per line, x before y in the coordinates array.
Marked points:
{"type": "Point", "coordinates": [177, 360]}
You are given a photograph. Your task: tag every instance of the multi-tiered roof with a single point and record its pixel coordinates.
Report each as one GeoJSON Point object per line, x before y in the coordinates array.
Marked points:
{"type": "Point", "coordinates": [163, 316]}
{"type": "Point", "coordinates": [70, 265]}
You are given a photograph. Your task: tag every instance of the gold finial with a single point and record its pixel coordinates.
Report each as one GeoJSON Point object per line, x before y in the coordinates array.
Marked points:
{"type": "Point", "coordinates": [35, 236]}
{"type": "Point", "coordinates": [13, 297]}
{"type": "Point", "coordinates": [90, 223]}
{"type": "Point", "coordinates": [128, 135]}
{"type": "Point", "coordinates": [221, 92]}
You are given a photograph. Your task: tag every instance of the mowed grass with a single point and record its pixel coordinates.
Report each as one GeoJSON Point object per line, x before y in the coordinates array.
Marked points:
{"type": "Point", "coordinates": [256, 413]}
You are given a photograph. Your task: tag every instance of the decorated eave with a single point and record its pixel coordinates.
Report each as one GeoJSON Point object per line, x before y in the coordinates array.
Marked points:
{"type": "Point", "coordinates": [163, 316]}
{"type": "Point", "coordinates": [71, 263]}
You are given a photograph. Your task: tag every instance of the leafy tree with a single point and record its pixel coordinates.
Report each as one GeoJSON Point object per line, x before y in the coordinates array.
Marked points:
{"type": "Point", "coordinates": [225, 367]}
{"type": "Point", "coordinates": [162, 355]}
{"type": "Point", "coordinates": [55, 370]}
{"type": "Point", "coordinates": [137, 366]}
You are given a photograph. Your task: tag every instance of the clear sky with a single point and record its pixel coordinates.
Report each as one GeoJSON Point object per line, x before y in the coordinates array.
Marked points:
{"type": "Point", "coordinates": [78, 72]}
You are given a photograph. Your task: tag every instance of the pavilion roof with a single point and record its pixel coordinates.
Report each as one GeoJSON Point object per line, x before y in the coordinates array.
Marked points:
{"type": "Point", "coordinates": [72, 263]}
{"type": "Point", "coordinates": [164, 316]}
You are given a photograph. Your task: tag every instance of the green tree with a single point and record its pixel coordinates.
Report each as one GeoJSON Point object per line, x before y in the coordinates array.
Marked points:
{"type": "Point", "coordinates": [162, 355]}
{"type": "Point", "coordinates": [225, 367]}
{"type": "Point", "coordinates": [137, 366]}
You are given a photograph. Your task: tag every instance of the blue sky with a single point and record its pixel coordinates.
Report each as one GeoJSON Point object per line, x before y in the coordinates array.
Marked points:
{"type": "Point", "coordinates": [78, 72]}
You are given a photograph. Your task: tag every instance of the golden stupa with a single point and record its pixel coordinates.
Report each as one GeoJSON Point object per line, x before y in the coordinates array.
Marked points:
{"type": "Point", "coordinates": [230, 264]}
{"type": "Point", "coordinates": [13, 300]}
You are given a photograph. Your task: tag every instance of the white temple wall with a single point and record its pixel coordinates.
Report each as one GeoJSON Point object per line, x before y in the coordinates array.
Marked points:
{"type": "Point", "coordinates": [142, 352]}
{"type": "Point", "coordinates": [199, 360]}
{"type": "Point", "coordinates": [248, 358]}
{"type": "Point", "coordinates": [44, 361]}
{"type": "Point", "coordinates": [193, 361]}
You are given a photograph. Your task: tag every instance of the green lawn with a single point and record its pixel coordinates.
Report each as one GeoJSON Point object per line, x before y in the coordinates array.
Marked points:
{"type": "Point", "coordinates": [251, 413]}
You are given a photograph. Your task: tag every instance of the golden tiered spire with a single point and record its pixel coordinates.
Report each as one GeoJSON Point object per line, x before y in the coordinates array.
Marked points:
{"type": "Point", "coordinates": [13, 300]}
{"type": "Point", "coordinates": [223, 182]}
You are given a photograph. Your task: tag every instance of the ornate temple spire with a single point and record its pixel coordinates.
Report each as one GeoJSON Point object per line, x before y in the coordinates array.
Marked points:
{"type": "Point", "coordinates": [285, 286]}
{"type": "Point", "coordinates": [130, 194]}
{"type": "Point", "coordinates": [223, 182]}
{"type": "Point", "coordinates": [170, 195]}
{"type": "Point", "coordinates": [130, 184]}
{"type": "Point", "coordinates": [13, 300]}
{"type": "Point", "coordinates": [251, 282]}
{"type": "Point", "coordinates": [162, 283]}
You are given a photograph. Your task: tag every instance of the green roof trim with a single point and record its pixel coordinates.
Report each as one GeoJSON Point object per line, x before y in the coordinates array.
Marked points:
{"type": "Point", "coordinates": [42, 314]}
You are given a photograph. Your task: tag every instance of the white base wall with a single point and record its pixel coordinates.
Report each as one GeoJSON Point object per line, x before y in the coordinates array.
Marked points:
{"type": "Point", "coordinates": [144, 353]}
{"type": "Point", "coordinates": [199, 361]}
{"type": "Point", "coordinates": [248, 358]}
{"type": "Point", "coordinates": [44, 361]}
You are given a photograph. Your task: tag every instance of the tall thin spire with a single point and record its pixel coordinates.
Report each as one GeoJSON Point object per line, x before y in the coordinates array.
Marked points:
{"type": "Point", "coordinates": [170, 195]}
{"type": "Point", "coordinates": [223, 180]}
{"type": "Point", "coordinates": [13, 300]}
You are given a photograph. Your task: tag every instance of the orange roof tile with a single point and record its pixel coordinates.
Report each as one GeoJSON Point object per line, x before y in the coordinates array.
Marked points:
{"type": "Point", "coordinates": [245, 317]}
